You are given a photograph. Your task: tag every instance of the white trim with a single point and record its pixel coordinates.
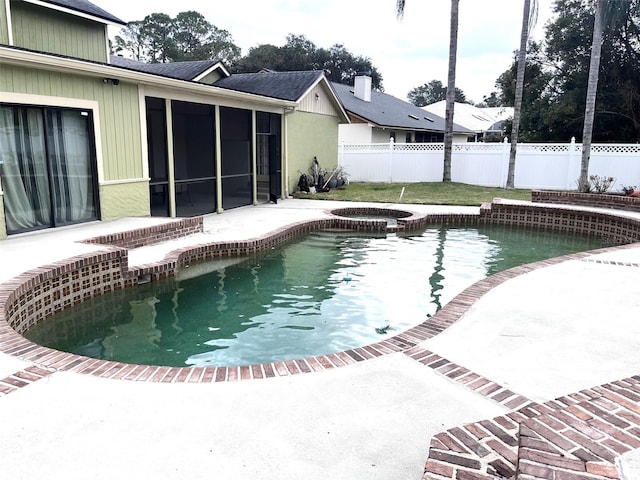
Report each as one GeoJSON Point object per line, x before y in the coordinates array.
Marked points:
{"type": "Point", "coordinates": [179, 87]}
{"type": "Point", "coordinates": [106, 44]}
{"type": "Point", "coordinates": [217, 66]}
{"type": "Point", "coordinates": [7, 6]}
{"type": "Point", "coordinates": [186, 96]}
{"type": "Point", "coordinates": [73, 12]}
{"type": "Point", "coordinates": [124, 181]}
{"type": "Point", "coordinates": [48, 101]}
{"type": "Point", "coordinates": [142, 105]}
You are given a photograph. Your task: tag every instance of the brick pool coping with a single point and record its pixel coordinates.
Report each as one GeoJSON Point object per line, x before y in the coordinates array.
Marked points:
{"type": "Point", "coordinates": [479, 451]}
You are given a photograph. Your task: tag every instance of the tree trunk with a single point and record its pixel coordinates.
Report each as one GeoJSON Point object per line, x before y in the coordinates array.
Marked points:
{"type": "Point", "coordinates": [592, 88]}
{"type": "Point", "coordinates": [451, 91]}
{"type": "Point", "coordinates": [517, 104]}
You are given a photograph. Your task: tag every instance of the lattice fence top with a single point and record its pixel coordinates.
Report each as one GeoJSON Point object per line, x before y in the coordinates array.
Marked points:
{"type": "Point", "coordinates": [616, 148]}
{"type": "Point", "coordinates": [491, 147]}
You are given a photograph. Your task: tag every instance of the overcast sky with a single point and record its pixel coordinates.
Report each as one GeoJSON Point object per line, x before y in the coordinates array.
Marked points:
{"type": "Point", "coordinates": [408, 52]}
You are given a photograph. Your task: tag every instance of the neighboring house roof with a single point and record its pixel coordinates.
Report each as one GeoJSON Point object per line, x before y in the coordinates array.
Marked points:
{"type": "Point", "coordinates": [180, 70]}
{"type": "Point", "coordinates": [283, 85]}
{"type": "Point", "coordinates": [474, 118]}
{"type": "Point", "coordinates": [387, 111]}
{"type": "Point", "coordinates": [84, 7]}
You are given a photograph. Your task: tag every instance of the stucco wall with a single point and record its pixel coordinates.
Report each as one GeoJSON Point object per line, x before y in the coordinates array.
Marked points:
{"type": "Point", "coordinates": [310, 135]}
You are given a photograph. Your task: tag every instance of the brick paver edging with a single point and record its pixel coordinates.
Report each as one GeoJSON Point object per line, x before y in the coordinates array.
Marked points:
{"type": "Point", "coordinates": [574, 437]}
{"type": "Point", "coordinates": [37, 294]}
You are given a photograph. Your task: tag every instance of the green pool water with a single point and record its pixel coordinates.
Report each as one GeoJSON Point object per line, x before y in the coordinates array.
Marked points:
{"type": "Point", "coordinates": [324, 292]}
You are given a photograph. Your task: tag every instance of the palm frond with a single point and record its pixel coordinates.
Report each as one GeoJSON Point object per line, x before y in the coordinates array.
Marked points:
{"type": "Point", "coordinates": [533, 16]}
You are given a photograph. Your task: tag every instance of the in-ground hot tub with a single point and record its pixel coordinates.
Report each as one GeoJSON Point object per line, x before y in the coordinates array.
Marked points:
{"type": "Point", "coordinates": [385, 219]}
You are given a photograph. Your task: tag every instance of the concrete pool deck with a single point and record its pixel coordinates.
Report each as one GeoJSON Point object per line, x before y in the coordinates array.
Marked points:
{"type": "Point", "coordinates": [553, 350]}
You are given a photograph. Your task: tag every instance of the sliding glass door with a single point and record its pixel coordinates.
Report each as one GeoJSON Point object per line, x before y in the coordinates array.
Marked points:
{"type": "Point", "coordinates": [47, 167]}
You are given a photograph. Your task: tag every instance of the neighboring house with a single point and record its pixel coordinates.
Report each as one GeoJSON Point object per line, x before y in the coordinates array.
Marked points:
{"type": "Point", "coordinates": [483, 122]}
{"type": "Point", "coordinates": [377, 117]}
{"type": "Point", "coordinates": [85, 136]}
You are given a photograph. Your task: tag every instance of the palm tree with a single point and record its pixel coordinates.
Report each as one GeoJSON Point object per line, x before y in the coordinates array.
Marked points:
{"type": "Point", "coordinates": [451, 84]}
{"type": "Point", "coordinates": [609, 14]}
{"type": "Point", "coordinates": [529, 16]}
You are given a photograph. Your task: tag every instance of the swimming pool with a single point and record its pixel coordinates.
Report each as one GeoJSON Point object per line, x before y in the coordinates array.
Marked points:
{"type": "Point", "coordinates": [324, 292]}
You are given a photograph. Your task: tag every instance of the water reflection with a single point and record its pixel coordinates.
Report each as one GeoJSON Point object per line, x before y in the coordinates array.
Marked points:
{"type": "Point", "coordinates": [295, 301]}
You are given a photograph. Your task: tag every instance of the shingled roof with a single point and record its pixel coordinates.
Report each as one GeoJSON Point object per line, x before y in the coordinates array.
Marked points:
{"type": "Point", "coordinates": [179, 70]}
{"type": "Point", "coordinates": [282, 85]}
{"type": "Point", "coordinates": [85, 7]}
{"type": "Point", "coordinates": [388, 111]}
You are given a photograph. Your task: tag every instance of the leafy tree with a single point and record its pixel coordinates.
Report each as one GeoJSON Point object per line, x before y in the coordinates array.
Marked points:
{"type": "Point", "coordinates": [299, 53]}
{"type": "Point", "coordinates": [556, 78]}
{"type": "Point", "coordinates": [535, 99]}
{"type": "Point", "coordinates": [132, 42]}
{"type": "Point", "coordinates": [157, 30]}
{"type": "Point", "coordinates": [491, 100]}
{"type": "Point", "coordinates": [608, 14]}
{"type": "Point", "coordinates": [158, 38]}
{"type": "Point", "coordinates": [196, 39]}
{"type": "Point", "coordinates": [433, 92]}
{"type": "Point", "coordinates": [451, 83]}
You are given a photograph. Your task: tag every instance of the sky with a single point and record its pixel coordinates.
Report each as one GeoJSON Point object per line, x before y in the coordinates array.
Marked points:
{"type": "Point", "coordinates": [408, 52]}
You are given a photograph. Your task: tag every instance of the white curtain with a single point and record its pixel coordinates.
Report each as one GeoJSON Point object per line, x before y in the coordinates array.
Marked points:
{"type": "Point", "coordinates": [70, 154]}
{"type": "Point", "coordinates": [40, 191]}
{"type": "Point", "coordinates": [23, 168]}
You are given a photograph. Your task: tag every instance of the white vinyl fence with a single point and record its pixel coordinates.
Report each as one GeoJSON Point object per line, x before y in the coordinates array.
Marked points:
{"type": "Point", "coordinates": [551, 166]}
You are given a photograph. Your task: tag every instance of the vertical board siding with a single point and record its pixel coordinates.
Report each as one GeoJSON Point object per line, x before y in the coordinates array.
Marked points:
{"type": "Point", "coordinates": [323, 105]}
{"type": "Point", "coordinates": [4, 23]}
{"type": "Point", "coordinates": [46, 30]}
{"type": "Point", "coordinates": [119, 118]}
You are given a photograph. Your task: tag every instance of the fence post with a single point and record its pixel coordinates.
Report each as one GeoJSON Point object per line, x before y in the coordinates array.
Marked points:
{"type": "Point", "coordinates": [572, 159]}
{"type": "Point", "coordinates": [391, 145]}
{"type": "Point", "coordinates": [341, 153]}
{"type": "Point", "coordinates": [504, 171]}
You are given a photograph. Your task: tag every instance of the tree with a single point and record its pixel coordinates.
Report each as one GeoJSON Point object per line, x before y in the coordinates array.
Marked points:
{"type": "Point", "coordinates": [157, 30]}
{"type": "Point", "coordinates": [556, 78]}
{"type": "Point", "coordinates": [158, 38]}
{"type": "Point", "coordinates": [451, 83]}
{"type": "Point", "coordinates": [131, 41]}
{"type": "Point", "coordinates": [533, 127]}
{"type": "Point", "coordinates": [432, 92]}
{"type": "Point", "coordinates": [299, 53]}
{"type": "Point", "coordinates": [528, 20]}
{"type": "Point", "coordinates": [196, 39]}
{"type": "Point", "coordinates": [607, 13]}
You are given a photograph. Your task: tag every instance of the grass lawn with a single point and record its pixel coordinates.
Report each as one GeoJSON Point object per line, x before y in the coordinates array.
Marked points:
{"type": "Point", "coordinates": [433, 193]}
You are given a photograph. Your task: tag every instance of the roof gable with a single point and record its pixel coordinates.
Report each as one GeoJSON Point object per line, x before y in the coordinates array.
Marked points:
{"type": "Point", "coordinates": [283, 85]}
{"type": "Point", "coordinates": [390, 112]}
{"type": "Point", "coordinates": [82, 8]}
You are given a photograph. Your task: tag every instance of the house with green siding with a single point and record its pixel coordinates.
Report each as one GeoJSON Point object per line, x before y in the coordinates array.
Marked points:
{"type": "Point", "coordinates": [85, 136]}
